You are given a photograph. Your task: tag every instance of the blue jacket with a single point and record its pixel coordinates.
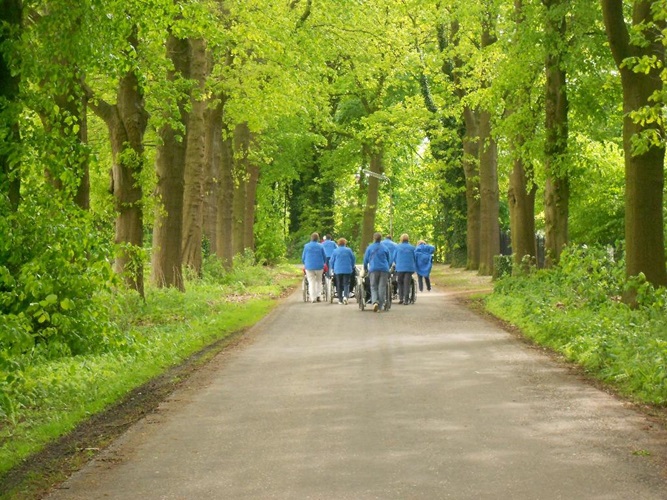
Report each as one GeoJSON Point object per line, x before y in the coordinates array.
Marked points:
{"type": "Point", "coordinates": [391, 246]}
{"type": "Point", "coordinates": [423, 254]}
{"type": "Point", "coordinates": [329, 247]}
{"type": "Point", "coordinates": [313, 256]}
{"type": "Point", "coordinates": [342, 261]}
{"type": "Point", "coordinates": [405, 258]}
{"type": "Point", "coordinates": [377, 258]}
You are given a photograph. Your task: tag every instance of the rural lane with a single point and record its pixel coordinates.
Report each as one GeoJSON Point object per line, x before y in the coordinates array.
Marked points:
{"type": "Point", "coordinates": [427, 401]}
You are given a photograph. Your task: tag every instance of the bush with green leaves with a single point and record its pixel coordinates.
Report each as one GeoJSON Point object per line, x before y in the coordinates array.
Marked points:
{"type": "Point", "coordinates": [55, 278]}
{"type": "Point", "coordinates": [576, 309]}
{"type": "Point", "coordinates": [53, 267]}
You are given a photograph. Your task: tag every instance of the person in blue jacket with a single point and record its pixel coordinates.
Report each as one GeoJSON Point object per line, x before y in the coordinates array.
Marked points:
{"type": "Point", "coordinates": [376, 261]}
{"type": "Point", "coordinates": [404, 258]}
{"type": "Point", "coordinates": [424, 256]}
{"type": "Point", "coordinates": [391, 246]}
{"type": "Point", "coordinates": [329, 247]}
{"type": "Point", "coordinates": [313, 258]}
{"type": "Point", "coordinates": [342, 266]}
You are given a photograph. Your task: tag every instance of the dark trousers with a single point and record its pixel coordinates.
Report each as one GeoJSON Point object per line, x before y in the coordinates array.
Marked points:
{"type": "Point", "coordinates": [343, 285]}
{"type": "Point", "coordinates": [421, 285]}
{"type": "Point", "coordinates": [404, 280]}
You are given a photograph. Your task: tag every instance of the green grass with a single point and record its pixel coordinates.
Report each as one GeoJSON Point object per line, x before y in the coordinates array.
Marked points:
{"type": "Point", "coordinates": [159, 334]}
{"type": "Point", "coordinates": [576, 310]}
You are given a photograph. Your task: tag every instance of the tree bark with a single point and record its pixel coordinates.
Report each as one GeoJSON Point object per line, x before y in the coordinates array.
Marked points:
{"type": "Point", "coordinates": [376, 165]}
{"type": "Point", "coordinates": [471, 150]}
{"type": "Point", "coordinates": [225, 220]}
{"type": "Point", "coordinates": [489, 226]}
{"type": "Point", "coordinates": [489, 197]}
{"type": "Point", "coordinates": [521, 199]}
{"type": "Point", "coordinates": [127, 121]}
{"type": "Point", "coordinates": [212, 177]}
{"type": "Point", "coordinates": [557, 187]}
{"type": "Point", "coordinates": [471, 171]}
{"type": "Point", "coordinates": [644, 172]}
{"type": "Point", "coordinates": [170, 163]}
{"type": "Point", "coordinates": [195, 160]}
{"type": "Point", "coordinates": [241, 145]}
{"type": "Point", "coordinates": [251, 205]}
{"type": "Point", "coordinates": [522, 187]}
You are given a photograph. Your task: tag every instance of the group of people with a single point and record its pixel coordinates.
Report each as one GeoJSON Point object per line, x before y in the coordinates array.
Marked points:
{"type": "Point", "coordinates": [336, 257]}
{"type": "Point", "coordinates": [379, 258]}
{"type": "Point", "coordinates": [381, 255]}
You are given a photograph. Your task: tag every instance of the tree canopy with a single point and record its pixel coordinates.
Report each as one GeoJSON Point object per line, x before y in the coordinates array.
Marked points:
{"type": "Point", "coordinates": [161, 134]}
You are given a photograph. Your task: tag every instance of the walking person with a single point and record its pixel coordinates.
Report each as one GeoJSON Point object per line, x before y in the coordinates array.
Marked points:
{"type": "Point", "coordinates": [406, 265]}
{"type": "Point", "coordinates": [376, 261]}
{"type": "Point", "coordinates": [424, 257]}
{"type": "Point", "coordinates": [342, 266]}
{"type": "Point", "coordinates": [313, 258]}
{"type": "Point", "coordinates": [391, 246]}
{"type": "Point", "coordinates": [329, 246]}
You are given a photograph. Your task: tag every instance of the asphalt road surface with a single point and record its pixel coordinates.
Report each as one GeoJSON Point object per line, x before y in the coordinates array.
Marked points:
{"type": "Point", "coordinates": [427, 401]}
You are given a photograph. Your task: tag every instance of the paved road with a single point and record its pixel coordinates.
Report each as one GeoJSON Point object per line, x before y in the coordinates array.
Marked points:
{"type": "Point", "coordinates": [427, 401]}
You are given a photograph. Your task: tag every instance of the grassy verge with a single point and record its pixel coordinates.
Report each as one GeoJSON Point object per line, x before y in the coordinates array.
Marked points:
{"type": "Point", "coordinates": [576, 310]}
{"type": "Point", "coordinates": [161, 333]}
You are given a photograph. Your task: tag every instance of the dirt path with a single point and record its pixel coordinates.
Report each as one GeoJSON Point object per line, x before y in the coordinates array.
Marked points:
{"type": "Point", "coordinates": [426, 401]}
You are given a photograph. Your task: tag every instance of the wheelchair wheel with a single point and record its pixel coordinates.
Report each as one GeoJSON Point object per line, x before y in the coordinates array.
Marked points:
{"type": "Point", "coordinates": [388, 295]}
{"type": "Point", "coordinates": [331, 290]}
{"type": "Point", "coordinates": [413, 290]}
{"type": "Point", "coordinates": [360, 293]}
{"type": "Point", "coordinates": [304, 289]}
{"type": "Point", "coordinates": [326, 281]}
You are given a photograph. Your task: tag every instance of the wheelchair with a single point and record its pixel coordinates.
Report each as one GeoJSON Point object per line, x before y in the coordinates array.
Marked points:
{"type": "Point", "coordinates": [332, 292]}
{"type": "Point", "coordinates": [362, 290]}
{"type": "Point", "coordinates": [413, 290]}
{"type": "Point", "coordinates": [304, 288]}
{"type": "Point", "coordinates": [360, 287]}
{"type": "Point", "coordinates": [325, 287]}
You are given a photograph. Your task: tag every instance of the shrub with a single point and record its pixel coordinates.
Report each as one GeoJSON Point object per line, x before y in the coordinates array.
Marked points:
{"type": "Point", "coordinates": [576, 310]}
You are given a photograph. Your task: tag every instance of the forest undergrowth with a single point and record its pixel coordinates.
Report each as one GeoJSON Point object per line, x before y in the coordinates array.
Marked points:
{"type": "Point", "coordinates": [48, 391]}
{"type": "Point", "coordinates": [576, 309]}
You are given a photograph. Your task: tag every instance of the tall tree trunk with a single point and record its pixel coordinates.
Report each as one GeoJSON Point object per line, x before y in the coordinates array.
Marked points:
{"type": "Point", "coordinates": [522, 187]}
{"type": "Point", "coordinates": [557, 187]}
{"type": "Point", "coordinates": [251, 204]}
{"type": "Point", "coordinates": [376, 165]}
{"type": "Point", "coordinates": [521, 198]}
{"type": "Point", "coordinates": [170, 166]}
{"type": "Point", "coordinates": [225, 219]}
{"type": "Point", "coordinates": [471, 148]}
{"type": "Point", "coordinates": [241, 145]}
{"type": "Point", "coordinates": [195, 160]}
{"type": "Point", "coordinates": [644, 173]}
{"type": "Point", "coordinates": [127, 121]}
{"type": "Point", "coordinates": [10, 178]}
{"type": "Point", "coordinates": [211, 184]}
{"type": "Point", "coordinates": [489, 197]}
{"type": "Point", "coordinates": [488, 170]}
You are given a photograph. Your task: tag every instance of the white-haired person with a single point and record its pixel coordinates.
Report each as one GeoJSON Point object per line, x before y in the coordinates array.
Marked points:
{"type": "Point", "coordinates": [313, 258]}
